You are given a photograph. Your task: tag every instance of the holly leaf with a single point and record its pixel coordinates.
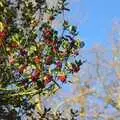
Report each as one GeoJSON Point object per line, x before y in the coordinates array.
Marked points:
{"type": "Point", "coordinates": [79, 63]}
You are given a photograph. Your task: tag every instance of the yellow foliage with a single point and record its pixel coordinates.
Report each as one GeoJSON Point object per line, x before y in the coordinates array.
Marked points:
{"type": "Point", "coordinates": [82, 112]}
{"type": "Point", "coordinates": [1, 26]}
{"type": "Point", "coordinates": [118, 102]}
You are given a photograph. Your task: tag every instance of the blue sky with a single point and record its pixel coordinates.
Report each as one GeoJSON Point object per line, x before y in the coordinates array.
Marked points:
{"type": "Point", "coordinates": [94, 19]}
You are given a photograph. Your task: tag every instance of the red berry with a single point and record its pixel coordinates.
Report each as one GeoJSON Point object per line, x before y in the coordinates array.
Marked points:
{"type": "Point", "coordinates": [2, 37]}
{"type": "Point", "coordinates": [58, 64]}
{"type": "Point", "coordinates": [47, 78]}
{"type": "Point", "coordinates": [48, 41]}
{"type": "Point", "coordinates": [49, 60]}
{"type": "Point", "coordinates": [22, 68]}
{"type": "Point", "coordinates": [35, 75]}
{"type": "Point", "coordinates": [47, 33]}
{"type": "Point", "coordinates": [37, 59]}
{"type": "Point", "coordinates": [63, 78]}
{"type": "Point", "coordinates": [54, 49]}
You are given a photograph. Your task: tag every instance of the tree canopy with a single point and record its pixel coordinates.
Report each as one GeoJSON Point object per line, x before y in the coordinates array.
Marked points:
{"type": "Point", "coordinates": [34, 56]}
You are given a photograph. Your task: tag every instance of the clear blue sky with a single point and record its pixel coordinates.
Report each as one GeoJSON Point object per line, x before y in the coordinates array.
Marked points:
{"type": "Point", "coordinates": [94, 19]}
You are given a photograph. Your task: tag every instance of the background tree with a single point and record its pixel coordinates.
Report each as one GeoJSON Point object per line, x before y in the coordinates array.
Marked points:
{"type": "Point", "coordinates": [95, 90]}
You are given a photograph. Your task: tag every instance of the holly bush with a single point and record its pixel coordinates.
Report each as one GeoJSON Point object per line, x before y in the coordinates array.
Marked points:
{"type": "Point", "coordinates": [34, 56]}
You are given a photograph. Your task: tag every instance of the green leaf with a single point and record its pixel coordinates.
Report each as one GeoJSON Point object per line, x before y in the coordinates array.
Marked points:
{"type": "Point", "coordinates": [65, 44]}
